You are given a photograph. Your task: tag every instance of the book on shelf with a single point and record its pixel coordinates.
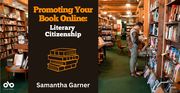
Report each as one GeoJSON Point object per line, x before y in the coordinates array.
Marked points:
{"type": "Point", "coordinates": [172, 33]}
{"type": "Point", "coordinates": [153, 42]}
{"type": "Point", "coordinates": [168, 67]}
{"type": "Point", "coordinates": [154, 29]}
{"type": "Point", "coordinates": [147, 72]}
{"type": "Point", "coordinates": [152, 63]}
{"type": "Point", "coordinates": [174, 13]}
{"type": "Point", "coordinates": [155, 15]}
{"type": "Point", "coordinates": [154, 5]}
{"type": "Point", "coordinates": [176, 76]}
{"type": "Point", "coordinates": [151, 80]}
{"type": "Point", "coordinates": [7, 40]}
{"type": "Point", "coordinates": [173, 52]}
{"type": "Point", "coordinates": [10, 28]}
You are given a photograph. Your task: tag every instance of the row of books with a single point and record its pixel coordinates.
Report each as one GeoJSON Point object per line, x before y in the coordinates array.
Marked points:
{"type": "Point", "coordinates": [9, 47]}
{"type": "Point", "coordinates": [154, 5]}
{"type": "Point", "coordinates": [175, 13]}
{"type": "Point", "coordinates": [172, 33]}
{"type": "Point", "coordinates": [14, 40]}
{"type": "Point", "coordinates": [173, 53]}
{"type": "Point", "coordinates": [20, 29]}
{"type": "Point", "coordinates": [6, 54]}
{"type": "Point", "coordinates": [10, 34]}
{"type": "Point", "coordinates": [172, 71]}
{"type": "Point", "coordinates": [107, 34]}
{"type": "Point", "coordinates": [153, 63]}
{"type": "Point", "coordinates": [107, 38]}
{"type": "Point", "coordinates": [154, 29]}
{"type": "Point", "coordinates": [168, 68]}
{"type": "Point", "coordinates": [9, 22]}
{"type": "Point", "coordinates": [10, 40]}
{"type": "Point", "coordinates": [154, 82]}
{"type": "Point", "coordinates": [11, 15]}
{"type": "Point", "coordinates": [7, 41]}
{"type": "Point", "coordinates": [10, 28]}
{"type": "Point", "coordinates": [106, 27]}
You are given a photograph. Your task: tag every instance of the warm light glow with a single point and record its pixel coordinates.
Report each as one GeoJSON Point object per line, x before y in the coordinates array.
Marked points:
{"type": "Point", "coordinates": [129, 12]}
{"type": "Point", "coordinates": [128, 5]}
{"type": "Point", "coordinates": [128, 15]}
{"type": "Point", "coordinates": [114, 18]}
{"type": "Point", "coordinates": [104, 13]}
{"type": "Point", "coordinates": [109, 15]}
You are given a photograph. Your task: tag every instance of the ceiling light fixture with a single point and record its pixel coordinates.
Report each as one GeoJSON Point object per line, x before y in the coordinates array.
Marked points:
{"type": "Point", "coordinates": [128, 5]}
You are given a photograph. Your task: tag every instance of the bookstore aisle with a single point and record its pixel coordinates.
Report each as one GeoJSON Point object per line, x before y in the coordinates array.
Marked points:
{"type": "Point", "coordinates": [14, 44]}
{"type": "Point", "coordinates": [114, 75]}
{"type": "Point", "coordinates": [158, 63]}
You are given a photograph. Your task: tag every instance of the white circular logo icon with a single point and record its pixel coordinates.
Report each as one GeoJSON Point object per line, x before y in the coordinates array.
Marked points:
{"type": "Point", "coordinates": [7, 84]}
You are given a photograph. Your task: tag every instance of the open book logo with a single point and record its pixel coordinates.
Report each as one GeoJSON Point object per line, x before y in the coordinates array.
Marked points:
{"type": "Point", "coordinates": [8, 85]}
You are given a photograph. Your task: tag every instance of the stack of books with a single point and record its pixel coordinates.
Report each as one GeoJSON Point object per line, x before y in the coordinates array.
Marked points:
{"type": "Point", "coordinates": [62, 59]}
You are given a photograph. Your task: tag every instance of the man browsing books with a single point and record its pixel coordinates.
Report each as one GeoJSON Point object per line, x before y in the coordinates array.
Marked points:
{"type": "Point", "coordinates": [133, 46]}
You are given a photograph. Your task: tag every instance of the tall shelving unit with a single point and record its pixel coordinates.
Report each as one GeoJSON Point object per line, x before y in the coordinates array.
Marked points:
{"type": "Point", "coordinates": [156, 36]}
{"type": "Point", "coordinates": [171, 42]}
{"type": "Point", "coordinates": [164, 41]}
{"type": "Point", "coordinates": [12, 24]}
{"type": "Point", "coordinates": [156, 27]}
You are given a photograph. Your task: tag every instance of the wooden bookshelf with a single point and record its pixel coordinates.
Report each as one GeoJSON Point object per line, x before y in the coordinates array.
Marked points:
{"type": "Point", "coordinates": [12, 24]}
{"type": "Point", "coordinates": [170, 41]}
{"type": "Point", "coordinates": [156, 34]}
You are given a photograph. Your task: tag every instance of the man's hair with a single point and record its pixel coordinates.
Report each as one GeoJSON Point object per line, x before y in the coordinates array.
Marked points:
{"type": "Point", "coordinates": [139, 24]}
